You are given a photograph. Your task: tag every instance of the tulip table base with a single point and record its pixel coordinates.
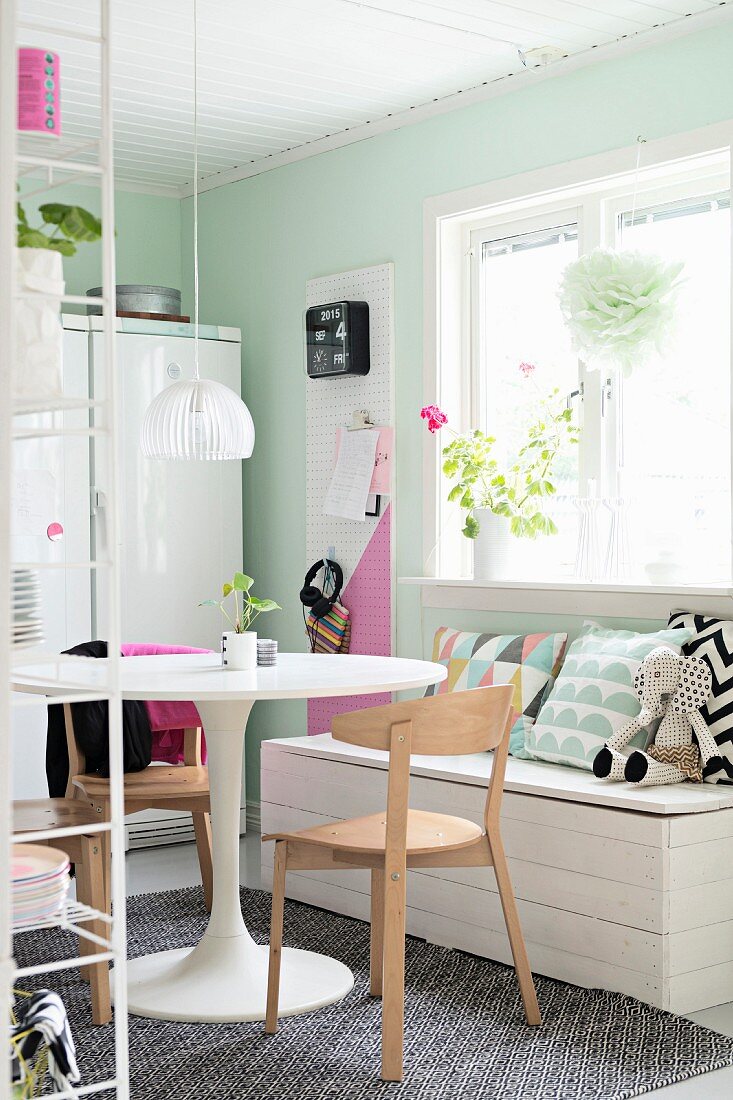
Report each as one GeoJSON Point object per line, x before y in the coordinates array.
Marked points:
{"type": "Point", "coordinates": [224, 978]}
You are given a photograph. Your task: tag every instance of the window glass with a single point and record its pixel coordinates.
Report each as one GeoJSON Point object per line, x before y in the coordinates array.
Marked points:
{"type": "Point", "coordinates": [521, 327]}
{"type": "Point", "coordinates": [674, 417]}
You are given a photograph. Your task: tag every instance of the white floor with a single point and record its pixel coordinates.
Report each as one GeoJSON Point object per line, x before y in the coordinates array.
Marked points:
{"type": "Point", "coordinates": [154, 869]}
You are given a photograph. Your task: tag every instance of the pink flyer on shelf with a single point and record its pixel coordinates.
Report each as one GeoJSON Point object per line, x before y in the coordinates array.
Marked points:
{"type": "Point", "coordinates": [383, 459]}
{"type": "Point", "coordinates": [39, 102]}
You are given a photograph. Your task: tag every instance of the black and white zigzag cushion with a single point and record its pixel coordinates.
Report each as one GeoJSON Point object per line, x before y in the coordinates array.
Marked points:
{"type": "Point", "coordinates": [713, 641]}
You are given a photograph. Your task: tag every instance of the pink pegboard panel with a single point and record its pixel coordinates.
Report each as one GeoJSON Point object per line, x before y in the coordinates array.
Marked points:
{"type": "Point", "coordinates": [370, 602]}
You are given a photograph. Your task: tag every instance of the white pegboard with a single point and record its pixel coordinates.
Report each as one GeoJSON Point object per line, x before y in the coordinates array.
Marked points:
{"type": "Point", "coordinates": [330, 403]}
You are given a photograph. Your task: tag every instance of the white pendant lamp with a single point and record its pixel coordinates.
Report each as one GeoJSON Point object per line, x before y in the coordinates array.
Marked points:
{"type": "Point", "coordinates": [197, 418]}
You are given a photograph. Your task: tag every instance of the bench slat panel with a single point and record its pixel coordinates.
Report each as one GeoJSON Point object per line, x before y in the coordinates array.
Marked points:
{"type": "Point", "coordinates": [636, 828]}
{"type": "Point", "coordinates": [603, 857]}
{"type": "Point", "coordinates": [451, 933]}
{"type": "Point", "coordinates": [528, 777]}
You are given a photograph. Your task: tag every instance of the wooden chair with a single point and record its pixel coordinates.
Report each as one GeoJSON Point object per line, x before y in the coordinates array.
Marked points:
{"type": "Point", "coordinates": [85, 852]}
{"type": "Point", "coordinates": [162, 787]}
{"type": "Point", "coordinates": [443, 725]}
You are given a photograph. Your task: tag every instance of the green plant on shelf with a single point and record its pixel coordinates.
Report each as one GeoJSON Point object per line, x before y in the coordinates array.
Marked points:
{"type": "Point", "coordinates": [63, 227]}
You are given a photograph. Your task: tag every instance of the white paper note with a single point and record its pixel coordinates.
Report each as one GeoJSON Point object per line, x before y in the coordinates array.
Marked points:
{"type": "Point", "coordinates": [349, 488]}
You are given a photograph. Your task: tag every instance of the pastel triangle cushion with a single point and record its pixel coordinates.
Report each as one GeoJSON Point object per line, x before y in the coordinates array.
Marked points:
{"type": "Point", "coordinates": [528, 662]}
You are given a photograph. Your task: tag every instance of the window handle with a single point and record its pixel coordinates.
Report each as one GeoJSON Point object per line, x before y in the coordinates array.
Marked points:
{"type": "Point", "coordinates": [573, 394]}
{"type": "Point", "coordinates": [606, 395]}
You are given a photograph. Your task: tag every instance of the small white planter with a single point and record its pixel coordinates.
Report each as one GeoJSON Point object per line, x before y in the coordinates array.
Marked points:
{"type": "Point", "coordinates": [239, 651]}
{"type": "Point", "coordinates": [495, 549]}
{"type": "Point", "coordinates": [39, 334]}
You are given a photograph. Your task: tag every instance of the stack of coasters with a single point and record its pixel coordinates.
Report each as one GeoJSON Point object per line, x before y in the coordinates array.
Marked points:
{"type": "Point", "coordinates": [266, 651]}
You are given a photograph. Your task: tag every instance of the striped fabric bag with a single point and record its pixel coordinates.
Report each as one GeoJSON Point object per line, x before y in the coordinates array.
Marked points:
{"type": "Point", "coordinates": [332, 633]}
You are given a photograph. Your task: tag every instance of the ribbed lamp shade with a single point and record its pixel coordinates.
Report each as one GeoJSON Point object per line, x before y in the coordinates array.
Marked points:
{"type": "Point", "coordinates": [197, 419]}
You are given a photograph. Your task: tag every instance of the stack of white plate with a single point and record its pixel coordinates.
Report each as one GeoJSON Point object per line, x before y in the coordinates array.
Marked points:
{"type": "Point", "coordinates": [27, 627]}
{"type": "Point", "coordinates": [40, 883]}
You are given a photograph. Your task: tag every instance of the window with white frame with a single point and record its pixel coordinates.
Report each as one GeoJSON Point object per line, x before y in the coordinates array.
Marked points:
{"type": "Point", "coordinates": [655, 447]}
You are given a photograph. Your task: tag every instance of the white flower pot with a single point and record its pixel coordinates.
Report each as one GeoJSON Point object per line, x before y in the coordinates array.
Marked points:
{"type": "Point", "coordinates": [239, 651]}
{"type": "Point", "coordinates": [495, 549]}
{"type": "Point", "coordinates": [38, 330]}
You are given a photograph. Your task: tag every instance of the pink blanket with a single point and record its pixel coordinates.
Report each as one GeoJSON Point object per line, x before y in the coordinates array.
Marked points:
{"type": "Point", "coordinates": [168, 720]}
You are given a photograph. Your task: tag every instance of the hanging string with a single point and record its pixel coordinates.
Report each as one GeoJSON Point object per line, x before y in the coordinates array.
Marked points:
{"type": "Point", "coordinates": [195, 194]}
{"type": "Point", "coordinates": [639, 142]}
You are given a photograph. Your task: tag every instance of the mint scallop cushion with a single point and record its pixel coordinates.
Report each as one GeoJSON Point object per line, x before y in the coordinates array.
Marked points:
{"type": "Point", "coordinates": [593, 695]}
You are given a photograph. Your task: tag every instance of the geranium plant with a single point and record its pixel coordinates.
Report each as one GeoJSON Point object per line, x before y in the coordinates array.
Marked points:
{"type": "Point", "coordinates": [246, 606]}
{"type": "Point", "coordinates": [519, 490]}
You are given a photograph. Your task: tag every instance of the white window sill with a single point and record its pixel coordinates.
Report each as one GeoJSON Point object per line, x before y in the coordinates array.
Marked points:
{"type": "Point", "coordinates": [614, 599]}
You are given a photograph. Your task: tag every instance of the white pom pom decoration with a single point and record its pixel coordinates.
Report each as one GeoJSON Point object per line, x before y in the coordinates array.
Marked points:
{"type": "Point", "coordinates": [619, 306]}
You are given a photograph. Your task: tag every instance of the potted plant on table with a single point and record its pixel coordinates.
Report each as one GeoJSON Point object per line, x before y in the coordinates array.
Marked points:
{"type": "Point", "coordinates": [39, 254]}
{"type": "Point", "coordinates": [501, 500]}
{"type": "Point", "coordinates": [239, 645]}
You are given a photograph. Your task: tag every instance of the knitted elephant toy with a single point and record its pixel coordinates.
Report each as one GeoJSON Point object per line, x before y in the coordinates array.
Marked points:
{"type": "Point", "coordinates": [672, 687]}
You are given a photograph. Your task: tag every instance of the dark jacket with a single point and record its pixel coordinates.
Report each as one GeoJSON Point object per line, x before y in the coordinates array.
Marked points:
{"type": "Point", "coordinates": [90, 730]}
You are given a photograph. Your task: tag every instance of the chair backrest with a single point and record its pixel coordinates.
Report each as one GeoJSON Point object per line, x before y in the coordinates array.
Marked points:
{"type": "Point", "coordinates": [192, 749]}
{"type": "Point", "coordinates": [77, 760]}
{"type": "Point", "coordinates": [453, 724]}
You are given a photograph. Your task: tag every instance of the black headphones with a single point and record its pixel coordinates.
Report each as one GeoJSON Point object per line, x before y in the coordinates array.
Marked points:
{"type": "Point", "coordinates": [313, 597]}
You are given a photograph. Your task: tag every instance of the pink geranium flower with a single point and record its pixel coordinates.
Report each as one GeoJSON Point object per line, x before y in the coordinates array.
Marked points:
{"type": "Point", "coordinates": [527, 369]}
{"type": "Point", "coordinates": [435, 417]}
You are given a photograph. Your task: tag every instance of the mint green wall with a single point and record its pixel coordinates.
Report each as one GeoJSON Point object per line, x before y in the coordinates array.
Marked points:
{"type": "Point", "coordinates": [262, 238]}
{"type": "Point", "coordinates": [148, 239]}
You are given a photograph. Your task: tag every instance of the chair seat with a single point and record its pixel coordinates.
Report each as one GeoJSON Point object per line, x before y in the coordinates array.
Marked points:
{"type": "Point", "coordinates": [426, 832]}
{"type": "Point", "coordinates": [160, 782]}
{"type": "Point", "coordinates": [37, 814]}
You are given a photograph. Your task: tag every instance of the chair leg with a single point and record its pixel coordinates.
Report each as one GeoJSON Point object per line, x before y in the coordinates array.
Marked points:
{"type": "Point", "coordinates": [91, 891]}
{"type": "Point", "coordinates": [514, 931]}
{"type": "Point", "coordinates": [103, 811]}
{"type": "Point", "coordinates": [202, 829]}
{"type": "Point", "coordinates": [393, 997]}
{"type": "Point", "coordinates": [376, 938]}
{"type": "Point", "coordinates": [276, 936]}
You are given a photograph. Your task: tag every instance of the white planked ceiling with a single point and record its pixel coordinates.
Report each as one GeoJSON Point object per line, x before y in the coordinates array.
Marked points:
{"type": "Point", "coordinates": [282, 77]}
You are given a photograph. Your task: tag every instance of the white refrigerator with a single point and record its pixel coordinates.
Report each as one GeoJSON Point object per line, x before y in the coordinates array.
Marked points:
{"type": "Point", "coordinates": [181, 521]}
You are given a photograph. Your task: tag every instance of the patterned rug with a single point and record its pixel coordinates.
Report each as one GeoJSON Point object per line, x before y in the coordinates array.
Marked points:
{"type": "Point", "coordinates": [465, 1036]}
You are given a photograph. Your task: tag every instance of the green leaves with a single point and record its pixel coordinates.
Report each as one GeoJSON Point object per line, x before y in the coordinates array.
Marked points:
{"type": "Point", "coordinates": [73, 224]}
{"type": "Point", "coordinates": [242, 583]}
{"type": "Point", "coordinates": [264, 605]}
{"type": "Point", "coordinates": [540, 487]}
{"type": "Point", "coordinates": [471, 529]}
{"type": "Point", "coordinates": [32, 238]}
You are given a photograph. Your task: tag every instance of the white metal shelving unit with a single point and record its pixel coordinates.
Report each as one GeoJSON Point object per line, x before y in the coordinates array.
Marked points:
{"type": "Point", "coordinates": [51, 164]}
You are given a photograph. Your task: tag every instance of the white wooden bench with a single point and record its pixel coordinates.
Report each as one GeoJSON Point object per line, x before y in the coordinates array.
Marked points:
{"type": "Point", "coordinates": [618, 888]}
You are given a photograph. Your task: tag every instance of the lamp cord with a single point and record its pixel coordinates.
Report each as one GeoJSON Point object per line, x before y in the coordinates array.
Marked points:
{"type": "Point", "coordinates": [195, 194]}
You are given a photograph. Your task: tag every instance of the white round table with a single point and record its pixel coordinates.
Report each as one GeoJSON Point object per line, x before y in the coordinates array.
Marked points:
{"type": "Point", "coordinates": [224, 978]}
